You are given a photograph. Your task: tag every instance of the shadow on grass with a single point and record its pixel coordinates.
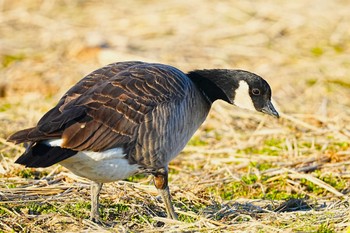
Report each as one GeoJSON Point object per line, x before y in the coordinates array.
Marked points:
{"type": "Point", "coordinates": [293, 204]}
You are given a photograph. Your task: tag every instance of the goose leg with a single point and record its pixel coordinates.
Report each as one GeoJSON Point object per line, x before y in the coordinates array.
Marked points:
{"type": "Point", "coordinates": [161, 183]}
{"type": "Point", "coordinates": [95, 194]}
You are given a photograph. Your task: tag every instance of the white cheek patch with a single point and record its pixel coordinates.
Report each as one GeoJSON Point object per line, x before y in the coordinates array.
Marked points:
{"type": "Point", "coordinates": [242, 97]}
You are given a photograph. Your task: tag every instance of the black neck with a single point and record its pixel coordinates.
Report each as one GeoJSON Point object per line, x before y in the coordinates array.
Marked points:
{"type": "Point", "coordinates": [212, 83]}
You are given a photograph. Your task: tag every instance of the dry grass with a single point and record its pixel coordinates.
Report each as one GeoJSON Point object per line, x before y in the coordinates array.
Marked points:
{"type": "Point", "coordinates": [242, 171]}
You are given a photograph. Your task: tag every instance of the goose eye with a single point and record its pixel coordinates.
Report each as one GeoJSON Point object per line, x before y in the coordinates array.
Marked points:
{"type": "Point", "coordinates": [256, 91]}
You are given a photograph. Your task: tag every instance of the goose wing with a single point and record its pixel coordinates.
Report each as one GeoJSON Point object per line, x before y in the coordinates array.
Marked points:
{"type": "Point", "coordinates": [105, 109]}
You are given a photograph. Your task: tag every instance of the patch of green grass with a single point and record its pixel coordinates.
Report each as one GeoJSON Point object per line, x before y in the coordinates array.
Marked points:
{"type": "Point", "coordinates": [317, 51]}
{"type": "Point", "coordinates": [5, 106]}
{"type": "Point", "coordinates": [312, 187]}
{"type": "Point", "coordinates": [12, 207]}
{"type": "Point", "coordinates": [343, 145]}
{"type": "Point", "coordinates": [37, 208]}
{"type": "Point", "coordinates": [229, 191]}
{"type": "Point", "coordinates": [11, 185]}
{"type": "Point", "coordinates": [249, 179]}
{"type": "Point", "coordinates": [310, 82]}
{"type": "Point", "coordinates": [277, 189]}
{"type": "Point", "coordinates": [79, 209]}
{"type": "Point", "coordinates": [253, 187]}
{"type": "Point", "coordinates": [176, 171]}
{"type": "Point", "coordinates": [244, 188]}
{"type": "Point", "coordinates": [27, 173]}
{"type": "Point", "coordinates": [8, 59]}
{"type": "Point", "coordinates": [218, 136]}
{"type": "Point", "coordinates": [186, 218]}
{"type": "Point", "coordinates": [137, 177]}
{"type": "Point", "coordinates": [271, 147]}
{"type": "Point", "coordinates": [3, 210]}
{"type": "Point", "coordinates": [335, 181]}
{"type": "Point", "coordinates": [113, 211]}
{"type": "Point", "coordinates": [140, 217]}
{"type": "Point", "coordinates": [273, 142]}
{"type": "Point", "coordinates": [188, 205]}
{"type": "Point", "coordinates": [261, 166]}
{"type": "Point", "coordinates": [276, 194]}
{"type": "Point", "coordinates": [340, 82]}
{"type": "Point", "coordinates": [30, 173]}
{"type": "Point", "coordinates": [305, 222]}
{"type": "Point", "coordinates": [339, 48]}
{"type": "Point", "coordinates": [338, 146]}
{"type": "Point", "coordinates": [120, 207]}
{"type": "Point", "coordinates": [325, 228]}
{"type": "Point", "coordinates": [197, 141]}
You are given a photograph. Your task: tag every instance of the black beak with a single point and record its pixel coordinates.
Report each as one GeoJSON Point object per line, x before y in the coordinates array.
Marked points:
{"type": "Point", "coordinates": [270, 109]}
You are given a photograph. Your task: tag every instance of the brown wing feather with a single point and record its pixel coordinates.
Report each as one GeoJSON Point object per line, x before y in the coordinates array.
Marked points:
{"type": "Point", "coordinates": [105, 109]}
{"type": "Point", "coordinates": [41, 132]}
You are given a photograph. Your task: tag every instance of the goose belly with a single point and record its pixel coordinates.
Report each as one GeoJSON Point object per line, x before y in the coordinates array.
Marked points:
{"type": "Point", "coordinates": [106, 166]}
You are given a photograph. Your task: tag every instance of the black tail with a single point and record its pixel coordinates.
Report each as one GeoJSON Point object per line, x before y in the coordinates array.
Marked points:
{"type": "Point", "coordinates": [42, 155]}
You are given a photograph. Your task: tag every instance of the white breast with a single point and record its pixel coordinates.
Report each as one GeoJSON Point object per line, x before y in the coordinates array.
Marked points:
{"type": "Point", "coordinates": [106, 166]}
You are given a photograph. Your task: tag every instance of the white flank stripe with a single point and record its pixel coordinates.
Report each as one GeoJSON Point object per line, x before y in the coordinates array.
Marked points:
{"type": "Point", "coordinates": [242, 97]}
{"type": "Point", "coordinates": [54, 142]}
{"type": "Point", "coordinates": [115, 153]}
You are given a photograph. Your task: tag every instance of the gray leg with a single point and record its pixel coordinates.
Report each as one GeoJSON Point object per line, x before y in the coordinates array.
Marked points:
{"type": "Point", "coordinates": [95, 194]}
{"type": "Point", "coordinates": [161, 183]}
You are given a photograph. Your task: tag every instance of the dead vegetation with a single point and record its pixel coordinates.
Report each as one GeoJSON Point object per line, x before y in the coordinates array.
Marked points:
{"type": "Point", "coordinates": [242, 171]}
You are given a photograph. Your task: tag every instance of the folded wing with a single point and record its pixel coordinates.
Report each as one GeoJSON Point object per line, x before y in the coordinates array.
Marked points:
{"type": "Point", "coordinates": [105, 109]}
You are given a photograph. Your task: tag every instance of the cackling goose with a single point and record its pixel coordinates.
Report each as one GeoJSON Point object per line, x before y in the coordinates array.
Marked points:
{"type": "Point", "coordinates": [134, 117]}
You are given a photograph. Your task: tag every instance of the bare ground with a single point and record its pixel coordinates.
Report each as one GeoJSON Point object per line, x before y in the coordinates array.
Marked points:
{"type": "Point", "coordinates": [242, 171]}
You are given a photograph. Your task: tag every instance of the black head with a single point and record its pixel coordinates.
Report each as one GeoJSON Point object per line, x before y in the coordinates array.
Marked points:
{"type": "Point", "coordinates": [241, 88]}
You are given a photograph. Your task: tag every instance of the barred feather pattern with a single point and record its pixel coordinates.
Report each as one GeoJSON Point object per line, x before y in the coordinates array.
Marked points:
{"type": "Point", "coordinates": [146, 109]}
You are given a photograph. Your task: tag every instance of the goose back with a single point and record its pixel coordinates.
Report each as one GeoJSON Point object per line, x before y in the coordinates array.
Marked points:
{"type": "Point", "coordinates": [146, 109]}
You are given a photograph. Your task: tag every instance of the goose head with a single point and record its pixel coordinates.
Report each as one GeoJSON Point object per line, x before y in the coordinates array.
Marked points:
{"type": "Point", "coordinates": [238, 87]}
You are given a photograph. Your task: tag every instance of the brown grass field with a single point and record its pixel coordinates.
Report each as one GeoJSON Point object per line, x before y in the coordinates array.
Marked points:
{"type": "Point", "coordinates": [242, 171]}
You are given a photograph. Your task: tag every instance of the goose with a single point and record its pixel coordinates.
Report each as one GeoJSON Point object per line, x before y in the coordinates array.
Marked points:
{"type": "Point", "coordinates": [134, 117]}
